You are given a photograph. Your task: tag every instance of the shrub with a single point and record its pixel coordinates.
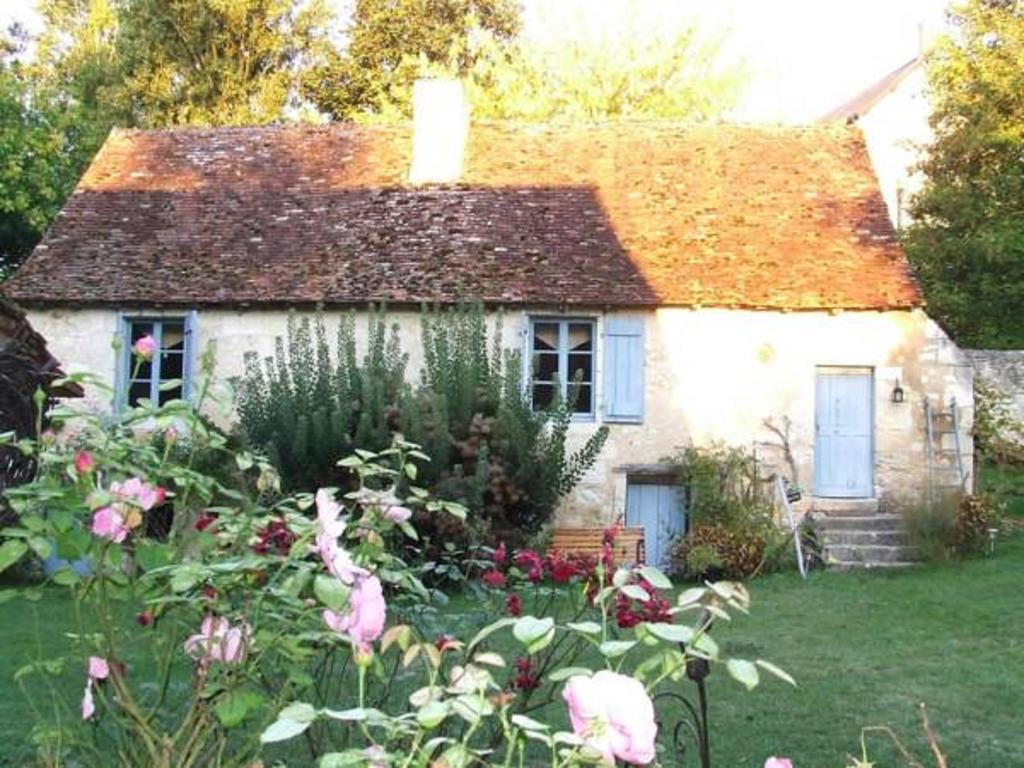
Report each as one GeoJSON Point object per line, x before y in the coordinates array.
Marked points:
{"type": "Point", "coordinates": [490, 450]}
{"type": "Point", "coordinates": [998, 436]}
{"type": "Point", "coordinates": [931, 526]}
{"type": "Point", "coordinates": [975, 515]}
{"type": "Point", "coordinates": [732, 514]}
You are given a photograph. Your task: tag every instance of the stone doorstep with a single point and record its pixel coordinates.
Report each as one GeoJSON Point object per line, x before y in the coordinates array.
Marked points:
{"type": "Point", "coordinates": [877, 523]}
{"type": "Point", "coordinates": [850, 538]}
{"type": "Point", "coordinates": [878, 554]}
{"type": "Point", "coordinates": [845, 507]}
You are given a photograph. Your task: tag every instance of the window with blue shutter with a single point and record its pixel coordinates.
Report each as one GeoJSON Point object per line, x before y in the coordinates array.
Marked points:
{"type": "Point", "coordinates": [562, 362]}
{"type": "Point", "coordinates": [624, 368]}
{"type": "Point", "coordinates": [169, 374]}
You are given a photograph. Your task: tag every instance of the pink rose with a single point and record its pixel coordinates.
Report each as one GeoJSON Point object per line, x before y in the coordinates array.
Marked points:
{"type": "Point", "coordinates": [364, 621]}
{"type": "Point", "coordinates": [88, 705]}
{"type": "Point", "coordinates": [84, 463]}
{"type": "Point", "coordinates": [614, 716]}
{"type": "Point", "coordinates": [108, 523]}
{"type": "Point", "coordinates": [145, 347]}
{"type": "Point", "coordinates": [99, 669]}
{"type": "Point", "coordinates": [139, 493]}
{"type": "Point", "coordinates": [778, 762]}
{"type": "Point", "coordinates": [329, 527]}
{"type": "Point", "coordinates": [217, 640]}
{"type": "Point", "coordinates": [397, 514]}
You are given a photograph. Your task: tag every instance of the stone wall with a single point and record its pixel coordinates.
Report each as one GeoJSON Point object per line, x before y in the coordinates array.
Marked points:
{"type": "Point", "coordinates": [1003, 369]}
{"type": "Point", "coordinates": [710, 374]}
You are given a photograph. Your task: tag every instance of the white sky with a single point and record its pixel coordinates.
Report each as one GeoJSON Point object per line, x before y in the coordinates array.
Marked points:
{"type": "Point", "coordinates": [804, 56]}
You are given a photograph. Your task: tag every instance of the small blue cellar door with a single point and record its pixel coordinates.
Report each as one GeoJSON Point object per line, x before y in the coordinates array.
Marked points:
{"type": "Point", "coordinates": [658, 508]}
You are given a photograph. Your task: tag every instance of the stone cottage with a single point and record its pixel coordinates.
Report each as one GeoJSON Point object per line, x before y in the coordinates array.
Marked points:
{"type": "Point", "coordinates": [700, 280]}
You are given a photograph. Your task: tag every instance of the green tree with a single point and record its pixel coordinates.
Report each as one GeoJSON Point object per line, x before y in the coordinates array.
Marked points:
{"type": "Point", "coordinates": [44, 145]}
{"type": "Point", "coordinates": [215, 62]}
{"type": "Point", "coordinates": [672, 73]}
{"type": "Point", "coordinates": [967, 242]}
{"type": "Point", "coordinates": [388, 40]}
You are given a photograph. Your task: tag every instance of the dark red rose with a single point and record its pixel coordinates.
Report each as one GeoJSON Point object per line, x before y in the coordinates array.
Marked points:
{"type": "Point", "coordinates": [514, 605]}
{"type": "Point", "coordinates": [494, 579]}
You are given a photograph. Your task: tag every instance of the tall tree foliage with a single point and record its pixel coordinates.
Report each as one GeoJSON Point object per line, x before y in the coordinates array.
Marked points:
{"type": "Point", "coordinates": [44, 144]}
{"type": "Point", "coordinates": [672, 73]}
{"type": "Point", "coordinates": [968, 240]}
{"type": "Point", "coordinates": [215, 62]}
{"type": "Point", "coordinates": [389, 40]}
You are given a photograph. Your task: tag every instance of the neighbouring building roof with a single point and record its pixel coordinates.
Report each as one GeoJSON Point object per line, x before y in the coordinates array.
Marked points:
{"type": "Point", "coordinates": [617, 214]}
{"type": "Point", "coordinates": [22, 346]}
{"type": "Point", "coordinates": [852, 110]}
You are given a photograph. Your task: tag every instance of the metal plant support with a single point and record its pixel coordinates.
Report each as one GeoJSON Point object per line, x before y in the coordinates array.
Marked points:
{"type": "Point", "coordinates": [693, 727]}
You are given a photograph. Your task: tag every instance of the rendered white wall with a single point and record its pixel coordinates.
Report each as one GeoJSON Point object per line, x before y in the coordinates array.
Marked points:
{"type": "Point", "coordinates": [710, 375]}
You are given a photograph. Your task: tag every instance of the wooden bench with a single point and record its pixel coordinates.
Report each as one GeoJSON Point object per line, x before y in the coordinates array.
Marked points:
{"type": "Point", "coordinates": [628, 546]}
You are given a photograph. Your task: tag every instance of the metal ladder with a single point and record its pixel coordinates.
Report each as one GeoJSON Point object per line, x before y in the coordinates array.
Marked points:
{"type": "Point", "coordinates": [950, 426]}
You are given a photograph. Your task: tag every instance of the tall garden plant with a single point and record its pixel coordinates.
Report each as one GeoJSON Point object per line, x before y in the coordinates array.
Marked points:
{"type": "Point", "coordinates": [491, 450]}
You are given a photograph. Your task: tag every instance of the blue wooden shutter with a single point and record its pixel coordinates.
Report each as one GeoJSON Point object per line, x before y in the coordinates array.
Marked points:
{"type": "Point", "coordinates": [190, 363]}
{"type": "Point", "coordinates": [624, 368]}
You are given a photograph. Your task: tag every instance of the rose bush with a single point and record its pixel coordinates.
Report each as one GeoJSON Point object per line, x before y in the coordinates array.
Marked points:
{"type": "Point", "coordinates": [255, 618]}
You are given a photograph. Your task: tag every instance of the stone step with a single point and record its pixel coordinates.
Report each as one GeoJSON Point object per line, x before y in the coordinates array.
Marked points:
{"type": "Point", "coordinates": [859, 522]}
{"type": "Point", "coordinates": [846, 507]}
{"type": "Point", "coordinates": [875, 555]}
{"type": "Point", "coordinates": [864, 538]}
{"type": "Point", "coordinates": [839, 565]}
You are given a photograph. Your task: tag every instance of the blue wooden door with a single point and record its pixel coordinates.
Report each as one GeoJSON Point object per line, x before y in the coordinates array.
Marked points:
{"type": "Point", "coordinates": [844, 434]}
{"type": "Point", "coordinates": [659, 510]}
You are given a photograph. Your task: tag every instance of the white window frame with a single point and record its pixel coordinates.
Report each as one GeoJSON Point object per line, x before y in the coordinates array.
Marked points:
{"type": "Point", "coordinates": [564, 382]}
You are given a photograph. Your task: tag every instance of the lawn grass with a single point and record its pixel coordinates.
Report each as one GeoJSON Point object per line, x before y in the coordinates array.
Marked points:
{"type": "Point", "coordinates": [865, 647]}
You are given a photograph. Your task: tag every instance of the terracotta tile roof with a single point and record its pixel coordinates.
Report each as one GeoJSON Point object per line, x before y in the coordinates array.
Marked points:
{"type": "Point", "coordinates": [638, 214]}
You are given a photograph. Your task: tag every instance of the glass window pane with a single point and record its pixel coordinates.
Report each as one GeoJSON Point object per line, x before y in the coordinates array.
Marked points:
{"type": "Point", "coordinates": [545, 366]}
{"type": "Point", "coordinates": [583, 402]}
{"type": "Point", "coordinates": [171, 366]}
{"type": "Point", "coordinates": [581, 337]}
{"type": "Point", "coordinates": [140, 329]}
{"type": "Point", "coordinates": [170, 394]}
{"type": "Point", "coordinates": [581, 365]}
{"type": "Point", "coordinates": [543, 394]}
{"type": "Point", "coordinates": [137, 391]}
{"type": "Point", "coordinates": [545, 336]}
{"type": "Point", "coordinates": [173, 336]}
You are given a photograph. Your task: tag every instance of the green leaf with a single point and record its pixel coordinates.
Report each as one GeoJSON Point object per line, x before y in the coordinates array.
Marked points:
{"type": "Point", "coordinates": [233, 708]}
{"type": "Point", "coordinates": [534, 633]}
{"type": "Point", "coordinates": [767, 666]}
{"type": "Point", "coordinates": [152, 555]}
{"type": "Point", "coordinates": [185, 577]}
{"type": "Point", "coordinates": [690, 596]}
{"type": "Point", "coordinates": [529, 724]}
{"type": "Point", "coordinates": [66, 577]}
{"type": "Point", "coordinates": [673, 633]}
{"type": "Point", "coordinates": [42, 547]}
{"type": "Point", "coordinates": [281, 730]}
{"type": "Point", "coordinates": [743, 671]}
{"type": "Point", "coordinates": [432, 714]}
{"type": "Point", "coordinates": [11, 551]}
{"type": "Point", "coordinates": [586, 627]}
{"type": "Point", "coordinates": [656, 578]}
{"type": "Point", "coordinates": [636, 592]}
{"type": "Point", "coordinates": [331, 592]}
{"type": "Point", "coordinates": [614, 648]}
{"type": "Point", "coordinates": [490, 629]}
{"type": "Point", "coordinates": [566, 672]}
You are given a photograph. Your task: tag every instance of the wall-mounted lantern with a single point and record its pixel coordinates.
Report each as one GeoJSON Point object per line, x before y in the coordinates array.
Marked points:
{"type": "Point", "coordinates": [897, 393]}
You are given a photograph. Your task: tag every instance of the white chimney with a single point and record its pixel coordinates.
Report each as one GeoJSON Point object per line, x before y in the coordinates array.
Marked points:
{"type": "Point", "coordinates": [440, 127]}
